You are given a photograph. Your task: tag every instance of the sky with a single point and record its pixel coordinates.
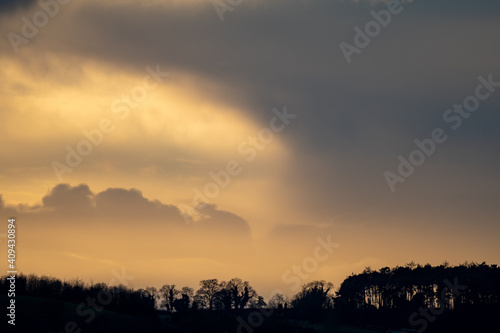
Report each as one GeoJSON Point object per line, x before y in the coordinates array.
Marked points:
{"type": "Point", "coordinates": [276, 141]}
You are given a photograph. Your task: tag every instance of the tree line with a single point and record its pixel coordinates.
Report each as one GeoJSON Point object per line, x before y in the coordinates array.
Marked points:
{"type": "Point", "coordinates": [464, 297]}
{"type": "Point", "coordinates": [234, 294]}
{"type": "Point", "coordinates": [396, 288]}
{"type": "Point", "coordinates": [212, 295]}
{"type": "Point", "coordinates": [387, 297]}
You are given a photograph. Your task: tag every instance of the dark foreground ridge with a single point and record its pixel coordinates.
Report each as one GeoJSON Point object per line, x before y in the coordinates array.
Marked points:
{"type": "Point", "coordinates": [413, 298]}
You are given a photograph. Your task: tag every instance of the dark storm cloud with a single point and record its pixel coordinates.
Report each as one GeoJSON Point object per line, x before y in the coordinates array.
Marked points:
{"type": "Point", "coordinates": [283, 52]}
{"type": "Point", "coordinates": [355, 119]}
{"type": "Point", "coordinates": [12, 5]}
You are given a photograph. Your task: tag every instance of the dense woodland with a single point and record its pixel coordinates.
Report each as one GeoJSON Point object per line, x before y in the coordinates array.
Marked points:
{"type": "Point", "coordinates": [428, 298]}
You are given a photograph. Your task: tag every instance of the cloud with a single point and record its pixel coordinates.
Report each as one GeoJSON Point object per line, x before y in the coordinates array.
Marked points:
{"type": "Point", "coordinates": [299, 63]}
{"type": "Point", "coordinates": [12, 5]}
{"type": "Point", "coordinates": [64, 197]}
{"type": "Point", "coordinates": [214, 219]}
{"type": "Point", "coordinates": [354, 120]}
{"type": "Point", "coordinates": [120, 207]}
{"type": "Point", "coordinates": [389, 94]}
{"type": "Point", "coordinates": [131, 204]}
{"type": "Point", "coordinates": [120, 226]}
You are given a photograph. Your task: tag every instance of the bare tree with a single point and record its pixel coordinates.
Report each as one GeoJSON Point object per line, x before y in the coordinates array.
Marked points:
{"type": "Point", "coordinates": [205, 296]}
{"type": "Point", "coordinates": [278, 301]}
{"type": "Point", "coordinates": [168, 295]}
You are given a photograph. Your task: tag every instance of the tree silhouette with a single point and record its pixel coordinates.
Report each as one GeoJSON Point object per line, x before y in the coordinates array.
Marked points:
{"type": "Point", "coordinates": [278, 301]}
{"type": "Point", "coordinates": [314, 296]}
{"type": "Point", "coordinates": [168, 296]}
{"type": "Point", "coordinates": [206, 295]}
{"type": "Point", "coordinates": [387, 298]}
{"type": "Point", "coordinates": [241, 293]}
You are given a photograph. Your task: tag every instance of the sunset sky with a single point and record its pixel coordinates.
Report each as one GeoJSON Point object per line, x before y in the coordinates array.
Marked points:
{"type": "Point", "coordinates": [115, 115]}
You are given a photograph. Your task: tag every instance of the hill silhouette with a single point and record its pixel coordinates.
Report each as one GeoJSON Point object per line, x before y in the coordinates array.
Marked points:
{"type": "Point", "coordinates": [410, 298]}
